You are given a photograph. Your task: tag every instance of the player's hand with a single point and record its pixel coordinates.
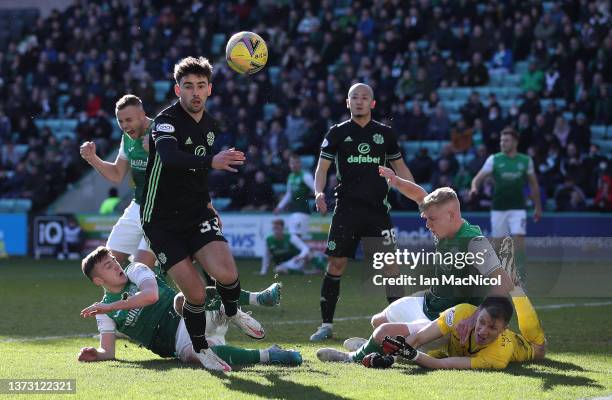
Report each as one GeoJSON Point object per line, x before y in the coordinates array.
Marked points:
{"type": "Point", "coordinates": [473, 193]}
{"type": "Point", "coordinates": [145, 143]}
{"type": "Point", "coordinates": [95, 309]}
{"type": "Point", "coordinates": [227, 158]}
{"type": "Point", "coordinates": [537, 214]}
{"type": "Point", "coordinates": [465, 327]}
{"type": "Point", "coordinates": [88, 354]}
{"type": "Point", "coordinates": [389, 175]}
{"type": "Point", "coordinates": [88, 151]}
{"type": "Point", "coordinates": [321, 204]}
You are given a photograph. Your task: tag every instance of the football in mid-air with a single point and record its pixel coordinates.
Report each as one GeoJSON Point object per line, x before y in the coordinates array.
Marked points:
{"type": "Point", "coordinates": [246, 53]}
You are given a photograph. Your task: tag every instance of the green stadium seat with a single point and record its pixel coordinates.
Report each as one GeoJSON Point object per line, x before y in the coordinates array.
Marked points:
{"type": "Point", "coordinates": [513, 80]}
{"type": "Point", "coordinates": [521, 67]}
{"type": "Point", "coordinates": [279, 188]}
{"type": "Point", "coordinates": [274, 73]}
{"type": "Point", "coordinates": [221, 203]}
{"type": "Point", "coordinates": [307, 162]}
{"type": "Point", "coordinates": [599, 132]}
{"type": "Point", "coordinates": [161, 88]}
{"type": "Point", "coordinates": [15, 205]}
{"type": "Point", "coordinates": [446, 93]}
{"type": "Point", "coordinates": [218, 43]}
{"type": "Point", "coordinates": [605, 145]}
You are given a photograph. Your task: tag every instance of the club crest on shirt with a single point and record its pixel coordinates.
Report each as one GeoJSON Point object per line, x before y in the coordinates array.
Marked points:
{"type": "Point", "coordinates": [378, 138]}
{"type": "Point", "coordinates": [210, 138]}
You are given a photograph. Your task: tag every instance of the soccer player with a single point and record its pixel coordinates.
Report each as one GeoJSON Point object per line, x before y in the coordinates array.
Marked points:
{"type": "Point", "coordinates": [287, 251]}
{"type": "Point", "coordinates": [454, 235]}
{"type": "Point", "coordinates": [140, 305]}
{"type": "Point", "coordinates": [490, 345]}
{"type": "Point", "coordinates": [300, 186]}
{"type": "Point", "coordinates": [511, 170]}
{"type": "Point", "coordinates": [177, 216]}
{"type": "Point", "coordinates": [126, 237]}
{"type": "Point", "coordinates": [358, 147]}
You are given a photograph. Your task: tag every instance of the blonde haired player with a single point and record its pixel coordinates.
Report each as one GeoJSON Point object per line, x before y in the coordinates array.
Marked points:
{"type": "Point", "coordinates": [452, 234]}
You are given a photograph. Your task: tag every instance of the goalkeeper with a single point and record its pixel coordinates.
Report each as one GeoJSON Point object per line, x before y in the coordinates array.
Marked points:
{"type": "Point", "coordinates": [140, 305]}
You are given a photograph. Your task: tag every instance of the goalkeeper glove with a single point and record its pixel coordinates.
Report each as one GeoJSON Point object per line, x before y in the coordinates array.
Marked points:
{"type": "Point", "coordinates": [375, 360]}
{"type": "Point", "coordinates": [398, 347]}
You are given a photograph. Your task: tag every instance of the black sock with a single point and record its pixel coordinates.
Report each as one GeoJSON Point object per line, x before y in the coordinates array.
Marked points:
{"type": "Point", "coordinates": [229, 296]}
{"type": "Point", "coordinates": [195, 322]}
{"type": "Point", "coordinates": [330, 290]}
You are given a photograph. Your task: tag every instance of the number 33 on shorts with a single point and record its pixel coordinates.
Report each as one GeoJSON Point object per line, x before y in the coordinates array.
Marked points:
{"type": "Point", "coordinates": [211, 224]}
{"type": "Point", "coordinates": [389, 237]}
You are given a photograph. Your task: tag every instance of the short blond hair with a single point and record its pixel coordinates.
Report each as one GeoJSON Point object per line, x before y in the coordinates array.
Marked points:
{"type": "Point", "coordinates": [438, 197]}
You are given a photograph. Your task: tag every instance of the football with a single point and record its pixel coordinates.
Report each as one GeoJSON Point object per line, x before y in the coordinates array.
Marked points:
{"type": "Point", "coordinates": [246, 53]}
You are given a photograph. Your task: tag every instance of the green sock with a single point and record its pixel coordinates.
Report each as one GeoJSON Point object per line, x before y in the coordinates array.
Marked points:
{"type": "Point", "coordinates": [236, 355]}
{"type": "Point", "coordinates": [521, 268]}
{"type": "Point", "coordinates": [244, 299]}
{"type": "Point", "coordinates": [369, 347]}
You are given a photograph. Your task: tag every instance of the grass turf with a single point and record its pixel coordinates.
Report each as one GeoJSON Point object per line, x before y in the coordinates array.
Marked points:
{"type": "Point", "coordinates": [43, 298]}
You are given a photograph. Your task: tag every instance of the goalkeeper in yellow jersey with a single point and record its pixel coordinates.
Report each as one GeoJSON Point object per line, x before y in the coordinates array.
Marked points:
{"type": "Point", "coordinates": [490, 344]}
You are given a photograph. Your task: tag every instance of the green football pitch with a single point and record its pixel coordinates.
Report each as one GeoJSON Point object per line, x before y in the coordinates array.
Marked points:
{"type": "Point", "coordinates": [41, 333]}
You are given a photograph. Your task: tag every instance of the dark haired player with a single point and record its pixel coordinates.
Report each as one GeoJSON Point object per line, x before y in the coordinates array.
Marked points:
{"type": "Point", "coordinates": [177, 215]}
{"type": "Point", "coordinates": [358, 147]}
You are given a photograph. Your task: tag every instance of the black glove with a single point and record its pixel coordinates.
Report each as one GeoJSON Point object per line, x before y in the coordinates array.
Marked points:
{"type": "Point", "coordinates": [398, 347]}
{"type": "Point", "coordinates": [375, 360]}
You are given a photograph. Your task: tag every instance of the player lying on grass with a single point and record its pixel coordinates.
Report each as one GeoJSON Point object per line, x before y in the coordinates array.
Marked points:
{"type": "Point", "coordinates": [139, 305]}
{"type": "Point", "coordinates": [490, 345]}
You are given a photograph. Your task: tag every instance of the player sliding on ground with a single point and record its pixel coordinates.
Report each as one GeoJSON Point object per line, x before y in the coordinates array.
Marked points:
{"type": "Point", "coordinates": [140, 306]}
{"type": "Point", "coordinates": [491, 345]}
{"type": "Point", "coordinates": [453, 235]}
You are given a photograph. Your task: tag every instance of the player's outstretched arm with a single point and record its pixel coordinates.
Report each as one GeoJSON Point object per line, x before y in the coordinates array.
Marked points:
{"type": "Point", "coordinates": [114, 172]}
{"type": "Point", "coordinates": [148, 294]}
{"type": "Point", "coordinates": [409, 189]}
{"type": "Point", "coordinates": [105, 352]}
{"type": "Point", "coordinates": [320, 181]}
{"type": "Point", "coordinates": [485, 171]}
{"type": "Point", "coordinates": [426, 335]}
{"type": "Point", "coordinates": [401, 169]}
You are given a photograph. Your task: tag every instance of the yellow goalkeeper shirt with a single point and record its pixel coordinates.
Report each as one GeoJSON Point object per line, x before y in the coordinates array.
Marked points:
{"type": "Point", "coordinates": [509, 346]}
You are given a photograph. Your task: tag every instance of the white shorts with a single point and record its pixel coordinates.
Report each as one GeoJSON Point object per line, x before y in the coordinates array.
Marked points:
{"type": "Point", "coordinates": [408, 310]}
{"type": "Point", "coordinates": [215, 336]}
{"type": "Point", "coordinates": [508, 222]}
{"type": "Point", "coordinates": [127, 235]}
{"type": "Point", "coordinates": [299, 224]}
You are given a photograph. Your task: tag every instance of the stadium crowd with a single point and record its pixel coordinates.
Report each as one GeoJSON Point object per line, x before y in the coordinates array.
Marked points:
{"type": "Point", "coordinates": [409, 51]}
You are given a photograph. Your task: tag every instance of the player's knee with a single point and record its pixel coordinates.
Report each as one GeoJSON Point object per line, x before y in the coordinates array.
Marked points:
{"type": "Point", "coordinates": [378, 320]}
{"type": "Point", "coordinates": [195, 297]}
{"type": "Point", "coordinates": [179, 300]}
{"type": "Point", "coordinates": [380, 333]}
{"type": "Point", "coordinates": [336, 266]}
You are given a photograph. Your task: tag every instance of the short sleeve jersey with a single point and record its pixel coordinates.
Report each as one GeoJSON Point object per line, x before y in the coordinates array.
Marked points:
{"type": "Point", "coordinates": [509, 346]}
{"type": "Point", "coordinates": [358, 152]}
{"type": "Point", "coordinates": [153, 326]}
{"type": "Point", "coordinates": [134, 152]}
{"type": "Point", "coordinates": [472, 254]}
{"type": "Point", "coordinates": [510, 177]}
{"type": "Point", "coordinates": [176, 198]}
{"type": "Point", "coordinates": [281, 250]}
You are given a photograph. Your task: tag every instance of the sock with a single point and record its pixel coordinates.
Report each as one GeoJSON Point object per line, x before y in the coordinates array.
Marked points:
{"type": "Point", "coordinates": [229, 296]}
{"type": "Point", "coordinates": [195, 322]}
{"type": "Point", "coordinates": [253, 299]}
{"type": "Point", "coordinates": [528, 321]}
{"type": "Point", "coordinates": [236, 355]}
{"type": "Point", "coordinates": [264, 356]}
{"type": "Point", "coordinates": [245, 298]}
{"type": "Point", "coordinates": [368, 347]}
{"type": "Point", "coordinates": [330, 290]}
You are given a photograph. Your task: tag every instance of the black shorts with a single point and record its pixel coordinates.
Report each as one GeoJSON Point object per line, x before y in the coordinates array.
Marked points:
{"type": "Point", "coordinates": [350, 225]}
{"type": "Point", "coordinates": [170, 247]}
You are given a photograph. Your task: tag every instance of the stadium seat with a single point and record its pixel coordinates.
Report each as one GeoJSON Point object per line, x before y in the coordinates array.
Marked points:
{"type": "Point", "coordinates": [308, 162]}
{"type": "Point", "coordinates": [218, 42]}
{"type": "Point", "coordinates": [15, 205]}
{"type": "Point", "coordinates": [446, 94]}
{"type": "Point", "coordinates": [269, 110]}
{"type": "Point", "coordinates": [161, 88]}
{"type": "Point", "coordinates": [279, 188]}
{"type": "Point", "coordinates": [221, 203]}
{"type": "Point", "coordinates": [274, 73]}
{"type": "Point", "coordinates": [599, 132]}
{"type": "Point", "coordinates": [605, 145]}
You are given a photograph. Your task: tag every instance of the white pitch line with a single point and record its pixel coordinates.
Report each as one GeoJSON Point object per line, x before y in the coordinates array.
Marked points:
{"type": "Point", "coordinates": [300, 321]}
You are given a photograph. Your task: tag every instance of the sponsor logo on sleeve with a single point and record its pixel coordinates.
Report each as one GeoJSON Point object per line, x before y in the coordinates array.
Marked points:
{"type": "Point", "coordinates": [450, 317]}
{"type": "Point", "coordinates": [168, 128]}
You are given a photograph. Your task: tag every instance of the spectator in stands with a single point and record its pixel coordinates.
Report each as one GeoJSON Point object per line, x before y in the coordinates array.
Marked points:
{"type": "Point", "coordinates": [109, 205]}
{"type": "Point", "coordinates": [502, 62]}
{"type": "Point", "coordinates": [261, 195]}
{"type": "Point", "coordinates": [439, 124]}
{"type": "Point", "coordinates": [417, 123]}
{"type": "Point", "coordinates": [473, 109]}
{"type": "Point", "coordinates": [443, 175]}
{"type": "Point", "coordinates": [478, 161]}
{"type": "Point", "coordinates": [562, 131]}
{"type": "Point", "coordinates": [422, 166]}
{"type": "Point", "coordinates": [461, 137]}
{"type": "Point", "coordinates": [477, 73]}
{"type": "Point", "coordinates": [580, 132]}
{"type": "Point", "coordinates": [569, 197]}
{"type": "Point", "coordinates": [532, 79]}
{"type": "Point", "coordinates": [448, 155]}
{"type": "Point", "coordinates": [603, 198]}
